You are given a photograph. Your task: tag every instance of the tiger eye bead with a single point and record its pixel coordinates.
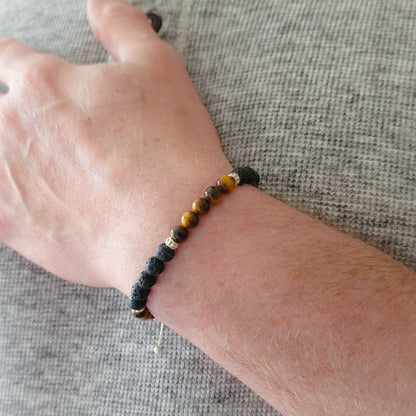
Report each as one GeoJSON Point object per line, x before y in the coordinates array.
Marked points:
{"type": "Point", "coordinates": [226, 184]}
{"type": "Point", "coordinates": [214, 194]}
{"type": "Point", "coordinates": [147, 316]}
{"type": "Point", "coordinates": [201, 206]}
{"type": "Point", "coordinates": [179, 233]}
{"type": "Point", "coordinates": [190, 219]}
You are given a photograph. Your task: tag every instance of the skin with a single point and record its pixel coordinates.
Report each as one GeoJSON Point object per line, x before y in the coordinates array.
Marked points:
{"type": "Point", "coordinates": [93, 178]}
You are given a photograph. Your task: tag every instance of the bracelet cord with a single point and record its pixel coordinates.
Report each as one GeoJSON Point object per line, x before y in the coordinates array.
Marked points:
{"type": "Point", "coordinates": [190, 219]}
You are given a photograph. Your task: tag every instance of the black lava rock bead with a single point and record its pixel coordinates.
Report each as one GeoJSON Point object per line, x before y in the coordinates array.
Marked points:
{"type": "Point", "coordinates": [136, 303]}
{"type": "Point", "coordinates": [247, 175]}
{"type": "Point", "coordinates": [146, 280]}
{"type": "Point", "coordinates": [154, 266]}
{"type": "Point", "coordinates": [139, 291]}
{"type": "Point", "coordinates": [164, 253]}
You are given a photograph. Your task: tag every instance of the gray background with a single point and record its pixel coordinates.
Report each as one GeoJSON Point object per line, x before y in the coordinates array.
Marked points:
{"type": "Point", "coordinates": [318, 96]}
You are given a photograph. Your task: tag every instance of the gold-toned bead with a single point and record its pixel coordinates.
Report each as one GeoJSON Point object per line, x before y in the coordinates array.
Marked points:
{"type": "Point", "coordinates": [226, 184]}
{"type": "Point", "coordinates": [137, 312]}
{"type": "Point", "coordinates": [171, 244]}
{"type": "Point", "coordinates": [143, 314]}
{"type": "Point", "coordinates": [190, 219]}
{"type": "Point", "coordinates": [236, 177]}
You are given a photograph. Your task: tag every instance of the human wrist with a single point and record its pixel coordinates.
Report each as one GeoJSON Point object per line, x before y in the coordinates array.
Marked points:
{"type": "Point", "coordinates": [160, 212]}
{"type": "Point", "coordinates": [165, 251]}
{"type": "Point", "coordinates": [203, 271]}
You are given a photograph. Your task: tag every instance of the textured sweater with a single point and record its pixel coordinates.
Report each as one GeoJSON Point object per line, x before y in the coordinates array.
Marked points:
{"type": "Point", "coordinates": [317, 96]}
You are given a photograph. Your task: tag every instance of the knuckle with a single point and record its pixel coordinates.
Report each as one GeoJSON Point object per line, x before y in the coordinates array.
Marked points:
{"type": "Point", "coordinates": [40, 72]}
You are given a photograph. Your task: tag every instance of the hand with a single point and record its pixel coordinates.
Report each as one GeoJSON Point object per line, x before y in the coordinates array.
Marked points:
{"type": "Point", "coordinates": [99, 162]}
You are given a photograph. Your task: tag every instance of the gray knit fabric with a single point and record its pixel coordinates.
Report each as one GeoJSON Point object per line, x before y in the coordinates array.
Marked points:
{"type": "Point", "coordinates": [319, 96]}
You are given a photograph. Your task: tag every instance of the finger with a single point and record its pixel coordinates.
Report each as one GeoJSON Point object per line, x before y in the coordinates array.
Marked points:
{"type": "Point", "coordinates": [12, 55]}
{"type": "Point", "coordinates": [123, 30]}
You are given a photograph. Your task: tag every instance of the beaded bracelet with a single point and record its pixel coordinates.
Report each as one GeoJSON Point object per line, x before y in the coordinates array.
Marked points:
{"type": "Point", "coordinates": [166, 251]}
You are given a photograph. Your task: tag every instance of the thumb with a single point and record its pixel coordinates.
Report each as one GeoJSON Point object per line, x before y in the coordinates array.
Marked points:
{"type": "Point", "coordinates": [124, 31]}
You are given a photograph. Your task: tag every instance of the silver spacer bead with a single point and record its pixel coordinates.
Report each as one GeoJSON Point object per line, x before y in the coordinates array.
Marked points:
{"type": "Point", "coordinates": [171, 244]}
{"type": "Point", "coordinates": [235, 177]}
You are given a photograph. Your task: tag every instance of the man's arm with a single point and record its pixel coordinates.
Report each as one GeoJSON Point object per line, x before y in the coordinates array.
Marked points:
{"type": "Point", "coordinates": [99, 162]}
{"type": "Point", "coordinates": [316, 322]}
